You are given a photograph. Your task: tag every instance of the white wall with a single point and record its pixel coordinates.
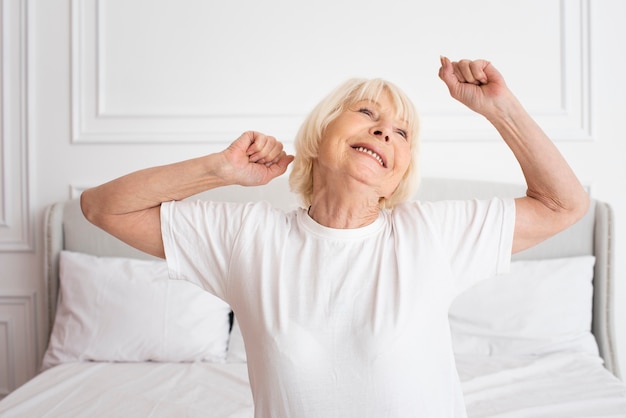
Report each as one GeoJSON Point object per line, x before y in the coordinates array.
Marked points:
{"type": "Point", "coordinates": [94, 89]}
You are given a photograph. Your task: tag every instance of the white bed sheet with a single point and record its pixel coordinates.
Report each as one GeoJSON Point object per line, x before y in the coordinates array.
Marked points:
{"type": "Point", "coordinates": [567, 385]}
{"type": "Point", "coordinates": [561, 385]}
{"type": "Point", "coordinates": [153, 390]}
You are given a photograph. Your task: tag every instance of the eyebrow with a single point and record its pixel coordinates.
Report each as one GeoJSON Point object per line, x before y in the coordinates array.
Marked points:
{"type": "Point", "coordinates": [404, 121]}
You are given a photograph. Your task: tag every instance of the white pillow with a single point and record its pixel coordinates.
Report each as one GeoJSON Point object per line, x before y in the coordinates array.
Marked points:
{"type": "Point", "coordinates": [540, 307]}
{"type": "Point", "coordinates": [122, 309]}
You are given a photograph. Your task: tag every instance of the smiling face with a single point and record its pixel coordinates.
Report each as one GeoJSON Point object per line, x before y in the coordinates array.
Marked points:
{"type": "Point", "coordinates": [366, 146]}
{"type": "Point", "coordinates": [356, 97]}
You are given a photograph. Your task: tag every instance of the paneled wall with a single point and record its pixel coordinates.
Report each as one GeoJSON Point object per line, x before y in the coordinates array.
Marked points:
{"type": "Point", "coordinates": [15, 220]}
{"type": "Point", "coordinates": [92, 89]}
{"type": "Point", "coordinates": [172, 72]}
{"type": "Point", "coordinates": [19, 304]}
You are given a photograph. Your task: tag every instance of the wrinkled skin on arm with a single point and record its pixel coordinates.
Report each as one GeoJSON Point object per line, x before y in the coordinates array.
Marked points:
{"type": "Point", "coordinates": [129, 207]}
{"type": "Point", "coordinates": [555, 199]}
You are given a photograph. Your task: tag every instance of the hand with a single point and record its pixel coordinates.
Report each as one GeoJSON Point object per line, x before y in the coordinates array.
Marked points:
{"type": "Point", "coordinates": [477, 84]}
{"type": "Point", "coordinates": [254, 159]}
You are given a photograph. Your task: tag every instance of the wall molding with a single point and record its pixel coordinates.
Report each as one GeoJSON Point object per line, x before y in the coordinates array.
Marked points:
{"type": "Point", "coordinates": [7, 361]}
{"type": "Point", "coordinates": [571, 120]}
{"type": "Point", "coordinates": [93, 122]}
{"type": "Point", "coordinates": [15, 219]}
{"type": "Point", "coordinates": [18, 330]}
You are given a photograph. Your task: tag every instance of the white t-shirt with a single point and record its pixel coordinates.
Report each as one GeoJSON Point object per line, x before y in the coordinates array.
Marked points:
{"type": "Point", "coordinates": [343, 322]}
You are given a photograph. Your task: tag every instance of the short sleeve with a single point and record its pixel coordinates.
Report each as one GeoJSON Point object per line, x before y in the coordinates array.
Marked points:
{"type": "Point", "coordinates": [198, 238]}
{"type": "Point", "coordinates": [474, 236]}
{"type": "Point", "coordinates": [479, 236]}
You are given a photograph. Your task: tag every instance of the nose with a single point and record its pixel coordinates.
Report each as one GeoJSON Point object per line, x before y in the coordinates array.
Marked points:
{"type": "Point", "coordinates": [381, 133]}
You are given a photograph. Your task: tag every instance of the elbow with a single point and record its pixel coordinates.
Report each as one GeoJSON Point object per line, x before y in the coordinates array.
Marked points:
{"type": "Point", "coordinates": [576, 210]}
{"type": "Point", "coordinates": [95, 210]}
{"type": "Point", "coordinates": [89, 207]}
{"type": "Point", "coordinates": [562, 213]}
{"type": "Point", "coordinates": [539, 219]}
{"type": "Point", "coordinates": [582, 207]}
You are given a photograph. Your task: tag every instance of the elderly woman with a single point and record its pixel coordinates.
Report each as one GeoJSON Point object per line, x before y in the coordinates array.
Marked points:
{"type": "Point", "coordinates": [343, 304]}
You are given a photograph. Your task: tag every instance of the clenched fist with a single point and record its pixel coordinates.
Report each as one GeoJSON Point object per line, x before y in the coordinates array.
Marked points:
{"type": "Point", "coordinates": [254, 159]}
{"type": "Point", "coordinates": [477, 84]}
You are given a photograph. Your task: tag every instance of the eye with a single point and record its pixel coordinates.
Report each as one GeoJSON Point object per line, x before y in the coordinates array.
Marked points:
{"type": "Point", "coordinates": [366, 111]}
{"type": "Point", "coordinates": [402, 133]}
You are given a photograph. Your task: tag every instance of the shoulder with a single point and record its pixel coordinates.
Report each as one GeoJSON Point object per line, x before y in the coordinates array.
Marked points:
{"type": "Point", "coordinates": [418, 209]}
{"type": "Point", "coordinates": [426, 206]}
{"type": "Point", "coordinates": [224, 213]}
{"type": "Point", "coordinates": [217, 206]}
{"type": "Point", "coordinates": [443, 211]}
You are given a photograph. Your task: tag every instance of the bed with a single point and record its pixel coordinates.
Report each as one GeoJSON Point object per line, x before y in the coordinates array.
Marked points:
{"type": "Point", "coordinates": [127, 342]}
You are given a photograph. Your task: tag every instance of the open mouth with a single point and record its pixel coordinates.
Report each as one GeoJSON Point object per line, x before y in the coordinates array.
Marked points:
{"type": "Point", "coordinates": [371, 153]}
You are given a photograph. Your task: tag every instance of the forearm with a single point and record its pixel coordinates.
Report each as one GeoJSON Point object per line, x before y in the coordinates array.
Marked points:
{"type": "Point", "coordinates": [555, 198]}
{"type": "Point", "coordinates": [129, 207]}
{"type": "Point", "coordinates": [149, 188]}
{"type": "Point", "coordinates": [548, 176]}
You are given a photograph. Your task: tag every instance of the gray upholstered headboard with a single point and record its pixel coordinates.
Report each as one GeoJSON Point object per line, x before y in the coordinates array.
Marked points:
{"type": "Point", "coordinates": [66, 228]}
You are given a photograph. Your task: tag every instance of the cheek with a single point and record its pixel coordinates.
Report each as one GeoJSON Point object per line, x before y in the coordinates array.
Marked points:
{"type": "Point", "coordinates": [403, 159]}
{"type": "Point", "coordinates": [328, 153]}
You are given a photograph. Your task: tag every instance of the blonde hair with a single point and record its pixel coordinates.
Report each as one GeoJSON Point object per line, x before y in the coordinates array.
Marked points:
{"type": "Point", "coordinates": [312, 130]}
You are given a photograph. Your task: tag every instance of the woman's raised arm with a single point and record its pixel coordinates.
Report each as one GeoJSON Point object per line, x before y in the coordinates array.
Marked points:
{"type": "Point", "coordinates": [555, 199]}
{"type": "Point", "coordinates": [129, 207]}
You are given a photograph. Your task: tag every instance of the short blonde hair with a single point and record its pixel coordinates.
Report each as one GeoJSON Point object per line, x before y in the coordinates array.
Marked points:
{"type": "Point", "coordinates": [312, 130]}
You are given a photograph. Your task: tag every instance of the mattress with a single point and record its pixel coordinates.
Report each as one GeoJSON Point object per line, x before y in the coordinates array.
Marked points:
{"type": "Point", "coordinates": [560, 385]}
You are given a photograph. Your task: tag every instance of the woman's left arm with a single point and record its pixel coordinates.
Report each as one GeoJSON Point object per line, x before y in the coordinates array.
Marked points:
{"type": "Point", "coordinates": [554, 199]}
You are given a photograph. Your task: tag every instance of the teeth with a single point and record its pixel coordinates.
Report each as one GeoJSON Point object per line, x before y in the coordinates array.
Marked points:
{"type": "Point", "coordinates": [372, 153]}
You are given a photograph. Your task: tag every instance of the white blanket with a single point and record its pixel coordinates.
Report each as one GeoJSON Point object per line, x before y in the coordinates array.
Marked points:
{"type": "Point", "coordinates": [560, 385]}
{"type": "Point", "coordinates": [563, 385]}
{"type": "Point", "coordinates": [134, 390]}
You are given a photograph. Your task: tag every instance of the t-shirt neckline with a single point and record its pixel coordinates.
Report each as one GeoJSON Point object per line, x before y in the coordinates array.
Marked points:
{"type": "Point", "coordinates": [312, 226]}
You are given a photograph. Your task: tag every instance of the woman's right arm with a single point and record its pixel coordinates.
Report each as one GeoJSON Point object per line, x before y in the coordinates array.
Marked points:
{"type": "Point", "coordinates": [129, 207]}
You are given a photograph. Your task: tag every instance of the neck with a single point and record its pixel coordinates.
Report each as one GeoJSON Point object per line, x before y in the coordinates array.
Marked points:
{"type": "Point", "coordinates": [343, 209]}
